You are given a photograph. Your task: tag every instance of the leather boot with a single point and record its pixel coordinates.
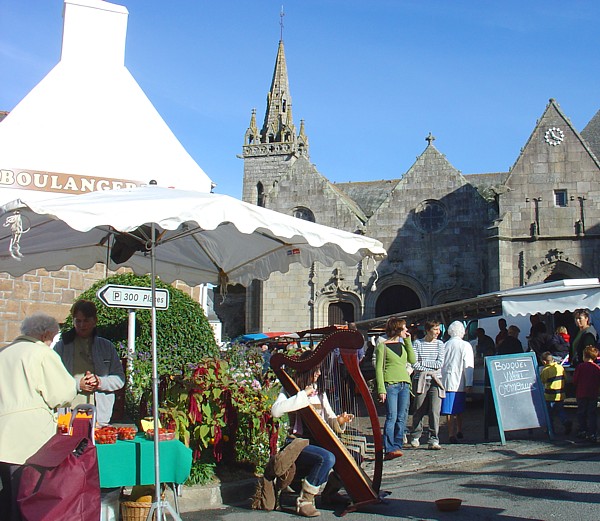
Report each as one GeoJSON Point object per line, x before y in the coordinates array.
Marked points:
{"type": "Point", "coordinates": [331, 495]}
{"type": "Point", "coordinates": [305, 504]}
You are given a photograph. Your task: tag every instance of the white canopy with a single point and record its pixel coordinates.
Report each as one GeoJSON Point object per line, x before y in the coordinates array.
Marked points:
{"type": "Point", "coordinates": [201, 237]}
{"type": "Point", "coordinates": [88, 125]}
{"type": "Point", "coordinates": [550, 297]}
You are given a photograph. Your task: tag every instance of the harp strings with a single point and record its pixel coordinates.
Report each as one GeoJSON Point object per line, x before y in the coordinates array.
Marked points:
{"type": "Point", "coordinates": [343, 397]}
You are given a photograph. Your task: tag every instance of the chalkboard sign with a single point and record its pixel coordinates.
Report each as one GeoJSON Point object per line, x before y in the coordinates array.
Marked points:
{"type": "Point", "coordinates": [517, 392]}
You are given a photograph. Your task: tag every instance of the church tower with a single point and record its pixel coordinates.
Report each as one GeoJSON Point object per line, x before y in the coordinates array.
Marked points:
{"type": "Point", "coordinates": [269, 153]}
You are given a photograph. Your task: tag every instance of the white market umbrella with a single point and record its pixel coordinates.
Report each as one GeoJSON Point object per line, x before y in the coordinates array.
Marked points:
{"type": "Point", "coordinates": [173, 234]}
{"type": "Point", "coordinates": [201, 237]}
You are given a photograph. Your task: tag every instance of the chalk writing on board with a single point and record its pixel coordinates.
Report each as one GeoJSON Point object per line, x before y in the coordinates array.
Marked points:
{"type": "Point", "coordinates": [517, 377]}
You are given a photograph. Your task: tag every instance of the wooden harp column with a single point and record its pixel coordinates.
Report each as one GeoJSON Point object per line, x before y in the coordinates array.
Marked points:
{"type": "Point", "coordinates": [363, 490]}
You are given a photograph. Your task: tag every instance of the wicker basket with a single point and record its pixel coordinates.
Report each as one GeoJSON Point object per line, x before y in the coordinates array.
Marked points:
{"type": "Point", "coordinates": [135, 511]}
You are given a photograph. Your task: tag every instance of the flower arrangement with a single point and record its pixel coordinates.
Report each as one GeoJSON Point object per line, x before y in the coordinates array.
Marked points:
{"type": "Point", "coordinates": [220, 408]}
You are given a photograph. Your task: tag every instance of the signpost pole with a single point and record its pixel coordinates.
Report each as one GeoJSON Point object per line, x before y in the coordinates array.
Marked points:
{"type": "Point", "coordinates": [130, 344]}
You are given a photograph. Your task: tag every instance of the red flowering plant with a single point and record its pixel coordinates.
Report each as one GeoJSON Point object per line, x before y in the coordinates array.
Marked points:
{"type": "Point", "coordinates": [220, 408]}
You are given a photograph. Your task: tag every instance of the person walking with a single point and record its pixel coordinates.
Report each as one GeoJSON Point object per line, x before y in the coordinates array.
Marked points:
{"type": "Point", "coordinates": [457, 378]}
{"type": "Point", "coordinates": [392, 355]}
{"type": "Point", "coordinates": [427, 385]}
{"type": "Point", "coordinates": [33, 382]}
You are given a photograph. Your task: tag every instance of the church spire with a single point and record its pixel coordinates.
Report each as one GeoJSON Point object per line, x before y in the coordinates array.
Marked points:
{"type": "Point", "coordinates": [278, 126]}
{"type": "Point", "coordinates": [278, 134]}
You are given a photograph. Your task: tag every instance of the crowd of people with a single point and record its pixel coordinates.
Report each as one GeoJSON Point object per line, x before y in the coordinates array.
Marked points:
{"type": "Point", "coordinates": [415, 373]}
{"type": "Point", "coordinates": [424, 376]}
{"type": "Point", "coordinates": [35, 380]}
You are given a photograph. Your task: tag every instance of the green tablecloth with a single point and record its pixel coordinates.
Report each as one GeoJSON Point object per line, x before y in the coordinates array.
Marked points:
{"type": "Point", "coordinates": [128, 463]}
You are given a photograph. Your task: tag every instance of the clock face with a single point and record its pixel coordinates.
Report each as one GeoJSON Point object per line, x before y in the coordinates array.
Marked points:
{"type": "Point", "coordinates": [554, 136]}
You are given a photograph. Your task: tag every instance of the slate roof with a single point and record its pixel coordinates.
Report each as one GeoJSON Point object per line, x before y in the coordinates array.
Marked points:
{"type": "Point", "coordinates": [367, 194]}
{"type": "Point", "coordinates": [486, 180]}
{"type": "Point", "coordinates": [591, 133]}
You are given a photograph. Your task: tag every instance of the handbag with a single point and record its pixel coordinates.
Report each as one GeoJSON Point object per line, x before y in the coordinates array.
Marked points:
{"type": "Point", "coordinates": [61, 482]}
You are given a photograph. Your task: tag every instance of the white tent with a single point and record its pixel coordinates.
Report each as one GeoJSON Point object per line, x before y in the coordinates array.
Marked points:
{"type": "Point", "coordinates": [545, 297]}
{"type": "Point", "coordinates": [88, 125]}
{"type": "Point", "coordinates": [551, 297]}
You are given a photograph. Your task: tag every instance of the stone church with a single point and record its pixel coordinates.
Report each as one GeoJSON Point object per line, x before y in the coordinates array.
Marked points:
{"type": "Point", "coordinates": [449, 236]}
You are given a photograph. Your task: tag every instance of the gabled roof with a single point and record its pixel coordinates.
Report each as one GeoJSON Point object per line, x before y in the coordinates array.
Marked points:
{"type": "Point", "coordinates": [552, 112]}
{"type": "Point", "coordinates": [89, 119]}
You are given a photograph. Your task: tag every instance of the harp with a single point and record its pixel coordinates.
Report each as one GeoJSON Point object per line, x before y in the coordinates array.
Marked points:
{"type": "Point", "coordinates": [362, 489]}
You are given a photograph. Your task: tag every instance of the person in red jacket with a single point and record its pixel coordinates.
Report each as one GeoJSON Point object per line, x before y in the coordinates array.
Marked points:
{"type": "Point", "coordinates": [587, 388]}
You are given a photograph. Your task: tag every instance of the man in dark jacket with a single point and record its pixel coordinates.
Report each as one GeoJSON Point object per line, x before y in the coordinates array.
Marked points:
{"type": "Point", "coordinates": [511, 344]}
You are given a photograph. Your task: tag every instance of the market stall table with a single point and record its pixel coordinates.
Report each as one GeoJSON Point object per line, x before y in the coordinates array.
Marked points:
{"type": "Point", "coordinates": [131, 462]}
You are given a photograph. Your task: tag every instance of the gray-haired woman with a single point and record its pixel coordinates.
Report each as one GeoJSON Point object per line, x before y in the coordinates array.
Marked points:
{"type": "Point", "coordinates": [457, 377]}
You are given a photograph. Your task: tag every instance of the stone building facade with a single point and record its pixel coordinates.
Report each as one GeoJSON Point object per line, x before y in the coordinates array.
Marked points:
{"type": "Point", "coordinates": [449, 236]}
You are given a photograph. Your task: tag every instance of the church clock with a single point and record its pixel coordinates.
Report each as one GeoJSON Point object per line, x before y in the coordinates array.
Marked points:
{"type": "Point", "coordinates": [554, 136]}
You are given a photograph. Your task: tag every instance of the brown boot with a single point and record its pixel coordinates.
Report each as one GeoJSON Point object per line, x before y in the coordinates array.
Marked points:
{"type": "Point", "coordinates": [305, 504]}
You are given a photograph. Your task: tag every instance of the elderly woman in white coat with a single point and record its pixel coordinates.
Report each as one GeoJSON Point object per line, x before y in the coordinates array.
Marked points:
{"type": "Point", "coordinates": [457, 377]}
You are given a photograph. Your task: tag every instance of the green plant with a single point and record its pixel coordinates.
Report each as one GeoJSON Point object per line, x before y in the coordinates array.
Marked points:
{"type": "Point", "coordinates": [201, 473]}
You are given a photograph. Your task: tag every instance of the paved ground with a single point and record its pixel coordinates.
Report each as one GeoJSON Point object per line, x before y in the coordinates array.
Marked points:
{"type": "Point", "coordinates": [474, 449]}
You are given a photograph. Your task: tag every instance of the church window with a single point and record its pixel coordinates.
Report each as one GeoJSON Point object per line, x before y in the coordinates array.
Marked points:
{"type": "Point", "coordinates": [430, 216]}
{"type": "Point", "coordinates": [560, 198]}
{"type": "Point", "coordinates": [284, 105]}
{"type": "Point", "coordinates": [260, 197]}
{"type": "Point", "coordinates": [300, 212]}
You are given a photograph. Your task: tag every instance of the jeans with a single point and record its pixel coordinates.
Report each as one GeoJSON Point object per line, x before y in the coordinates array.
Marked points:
{"type": "Point", "coordinates": [586, 414]}
{"type": "Point", "coordinates": [557, 409]}
{"type": "Point", "coordinates": [428, 402]}
{"type": "Point", "coordinates": [315, 464]}
{"type": "Point", "coordinates": [396, 404]}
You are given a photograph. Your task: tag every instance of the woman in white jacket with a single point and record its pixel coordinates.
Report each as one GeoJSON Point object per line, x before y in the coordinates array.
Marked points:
{"type": "Point", "coordinates": [457, 377]}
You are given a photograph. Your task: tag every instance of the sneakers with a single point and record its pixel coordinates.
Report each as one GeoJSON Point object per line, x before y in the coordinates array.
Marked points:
{"type": "Point", "coordinates": [434, 445]}
{"type": "Point", "coordinates": [453, 440]}
{"type": "Point", "coordinates": [414, 443]}
{"type": "Point", "coordinates": [592, 438]}
{"type": "Point", "coordinates": [582, 435]}
{"type": "Point", "coordinates": [460, 435]}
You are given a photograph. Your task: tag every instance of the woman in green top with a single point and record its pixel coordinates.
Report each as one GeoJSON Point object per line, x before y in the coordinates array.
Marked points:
{"type": "Point", "coordinates": [393, 383]}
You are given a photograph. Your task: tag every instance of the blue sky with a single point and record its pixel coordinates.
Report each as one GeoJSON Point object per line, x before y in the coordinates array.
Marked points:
{"type": "Point", "coordinates": [370, 78]}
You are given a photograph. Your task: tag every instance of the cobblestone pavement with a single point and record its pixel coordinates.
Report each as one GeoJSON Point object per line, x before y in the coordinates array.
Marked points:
{"type": "Point", "coordinates": [474, 449]}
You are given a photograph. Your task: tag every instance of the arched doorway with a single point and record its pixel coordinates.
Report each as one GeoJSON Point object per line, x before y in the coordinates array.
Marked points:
{"type": "Point", "coordinates": [396, 299]}
{"type": "Point", "coordinates": [340, 313]}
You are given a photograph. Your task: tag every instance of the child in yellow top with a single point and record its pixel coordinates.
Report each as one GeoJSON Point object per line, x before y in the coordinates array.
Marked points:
{"type": "Point", "coordinates": [553, 378]}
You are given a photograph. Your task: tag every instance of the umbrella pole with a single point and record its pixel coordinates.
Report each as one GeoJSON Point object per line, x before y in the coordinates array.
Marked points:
{"type": "Point", "coordinates": [158, 504]}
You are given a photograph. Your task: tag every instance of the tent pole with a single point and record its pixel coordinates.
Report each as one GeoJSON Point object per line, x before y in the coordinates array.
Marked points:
{"type": "Point", "coordinates": [155, 376]}
{"type": "Point", "coordinates": [158, 504]}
